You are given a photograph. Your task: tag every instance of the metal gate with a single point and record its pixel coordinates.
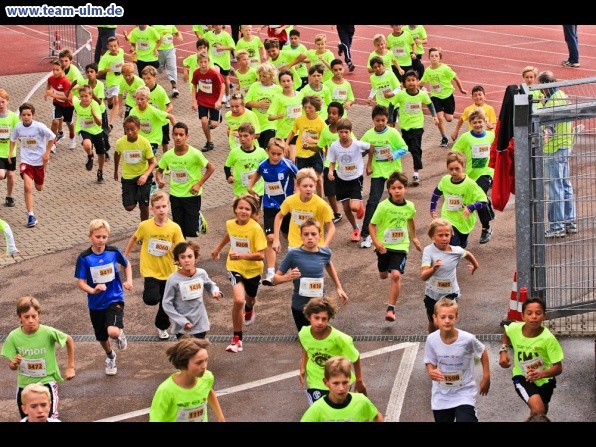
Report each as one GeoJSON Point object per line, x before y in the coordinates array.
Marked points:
{"type": "Point", "coordinates": [74, 37]}
{"type": "Point", "coordinates": [559, 266]}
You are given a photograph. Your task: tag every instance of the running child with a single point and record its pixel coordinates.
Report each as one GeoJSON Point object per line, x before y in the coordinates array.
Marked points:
{"type": "Point", "coordinates": [479, 98]}
{"type": "Point", "coordinates": [316, 87]}
{"type": "Point", "coordinates": [58, 88]}
{"type": "Point", "coordinates": [278, 174]}
{"type": "Point", "coordinates": [340, 88]}
{"type": "Point", "coordinates": [31, 351]}
{"type": "Point", "coordinates": [36, 400]}
{"type": "Point", "coordinates": [246, 74]}
{"type": "Point", "coordinates": [537, 356]}
{"type": "Point", "coordinates": [341, 405]}
{"type": "Point", "coordinates": [237, 115]}
{"type": "Point", "coordinates": [183, 295]}
{"type": "Point", "coordinates": [320, 341]}
{"type": "Point", "coordinates": [8, 121]}
{"type": "Point", "coordinates": [392, 228]}
{"type": "Point", "coordinates": [384, 86]}
{"type": "Point", "coordinates": [285, 108]}
{"type": "Point", "coordinates": [110, 66]}
{"type": "Point", "coordinates": [99, 276]}
{"type": "Point", "coordinates": [259, 98]}
{"type": "Point", "coordinates": [449, 356]}
{"type": "Point", "coordinates": [35, 144]}
{"type": "Point", "coordinates": [159, 99]}
{"type": "Point", "coordinates": [306, 266]}
{"type": "Point", "coordinates": [183, 397]}
{"type": "Point", "coordinates": [321, 55]}
{"type": "Point", "coordinates": [244, 263]}
{"type": "Point", "coordinates": [222, 45]}
{"type": "Point", "coordinates": [129, 83]}
{"type": "Point", "coordinates": [439, 267]}
{"type": "Point", "coordinates": [99, 96]}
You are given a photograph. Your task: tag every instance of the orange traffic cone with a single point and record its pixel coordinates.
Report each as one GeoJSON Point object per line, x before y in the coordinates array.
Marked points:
{"type": "Point", "coordinates": [515, 305]}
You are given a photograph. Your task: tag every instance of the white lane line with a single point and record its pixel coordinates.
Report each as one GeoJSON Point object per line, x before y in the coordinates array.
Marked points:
{"type": "Point", "coordinates": [257, 383]}
{"type": "Point", "coordinates": [400, 385]}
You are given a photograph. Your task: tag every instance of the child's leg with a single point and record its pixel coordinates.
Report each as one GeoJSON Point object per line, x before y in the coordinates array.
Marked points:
{"type": "Point", "coordinates": [319, 186]}
{"type": "Point", "coordinates": [395, 286]}
{"type": "Point", "coordinates": [441, 125]}
{"type": "Point", "coordinates": [239, 298]}
{"type": "Point", "coordinates": [349, 211]}
{"type": "Point", "coordinates": [206, 128]}
{"type": "Point", "coordinates": [9, 183]}
{"type": "Point", "coordinates": [28, 190]}
{"type": "Point", "coordinates": [270, 254]}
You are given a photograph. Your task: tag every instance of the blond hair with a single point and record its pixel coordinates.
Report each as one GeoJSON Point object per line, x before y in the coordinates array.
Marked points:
{"type": "Point", "coordinates": [305, 173]}
{"type": "Point", "coordinates": [97, 224]}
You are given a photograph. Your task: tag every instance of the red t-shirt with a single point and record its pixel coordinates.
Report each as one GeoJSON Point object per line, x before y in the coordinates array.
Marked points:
{"type": "Point", "coordinates": [60, 85]}
{"type": "Point", "coordinates": [208, 86]}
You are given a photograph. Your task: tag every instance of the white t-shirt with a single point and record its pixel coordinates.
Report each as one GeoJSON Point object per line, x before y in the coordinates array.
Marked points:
{"type": "Point", "coordinates": [456, 362]}
{"type": "Point", "coordinates": [444, 281]}
{"type": "Point", "coordinates": [349, 164]}
{"type": "Point", "coordinates": [32, 140]}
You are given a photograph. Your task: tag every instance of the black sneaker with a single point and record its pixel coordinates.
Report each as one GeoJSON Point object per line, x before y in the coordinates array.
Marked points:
{"type": "Point", "coordinates": [209, 146]}
{"type": "Point", "coordinates": [99, 176]}
{"type": "Point", "coordinates": [9, 202]}
{"type": "Point", "coordinates": [337, 217]}
{"type": "Point", "coordinates": [444, 141]}
{"type": "Point", "coordinates": [351, 67]}
{"type": "Point", "coordinates": [486, 235]}
{"type": "Point", "coordinates": [107, 154]}
{"type": "Point", "coordinates": [59, 135]}
{"type": "Point", "coordinates": [89, 164]}
{"type": "Point", "coordinates": [340, 50]}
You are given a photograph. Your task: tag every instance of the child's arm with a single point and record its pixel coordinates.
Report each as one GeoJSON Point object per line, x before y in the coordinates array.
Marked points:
{"type": "Point", "coordinates": [214, 404]}
{"type": "Point", "coordinates": [197, 186]}
{"type": "Point", "coordinates": [412, 232]}
{"type": "Point", "coordinates": [69, 372]}
{"type": "Point", "coordinates": [428, 271]}
{"type": "Point", "coordinates": [128, 277]}
{"type": "Point", "coordinates": [302, 370]}
{"type": "Point", "coordinates": [256, 256]}
{"type": "Point", "coordinates": [159, 177]}
{"type": "Point", "coordinates": [330, 268]}
{"type": "Point", "coordinates": [96, 118]}
{"type": "Point", "coordinates": [455, 132]}
{"type": "Point", "coordinates": [212, 288]}
{"type": "Point", "coordinates": [224, 241]}
{"type": "Point", "coordinates": [253, 179]}
{"type": "Point", "coordinates": [275, 245]}
{"type": "Point", "coordinates": [172, 119]}
{"type": "Point", "coordinates": [329, 233]}
{"type": "Point", "coordinates": [434, 373]}
{"type": "Point", "coordinates": [485, 382]}
{"type": "Point", "coordinates": [281, 277]}
{"type": "Point", "coordinates": [15, 362]}
{"type": "Point", "coordinates": [504, 360]}
{"type": "Point", "coordinates": [82, 283]}
{"type": "Point", "coordinates": [152, 164]}
{"type": "Point", "coordinates": [437, 193]}
{"type": "Point", "coordinates": [131, 243]}
{"type": "Point", "coordinates": [473, 265]}
{"type": "Point", "coordinates": [372, 231]}
{"type": "Point", "coordinates": [330, 175]}
{"type": "Point", "coordinates": [369, 160]}
{"type": "Point", "coordinates": [193, 94]}
{"type": "Point", "coordinates": [359, 384]}
{"type": "Point", "coordinates": [460, 86]}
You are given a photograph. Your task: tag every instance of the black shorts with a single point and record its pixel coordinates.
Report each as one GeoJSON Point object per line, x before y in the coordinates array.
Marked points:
{"type": "Point", "coordinates": [185, 212]}
{"type": "Point", "coordinates": [113, 315]}
{"type": "Point", "coordinates": [127, 110]}
{"type": "Point", "coordinates": [313, 394]}
{"type": "Point", "coordinates": [251, 285]}
{"type": "Point", "coordinates": [212, 113]}
{"type": "Point", "coordinates": [525, 389]}
{"type": "Point", "coordinates": [348, 189]}
{"type": "Point", "coordinates": [165, 130]}
{"type": "Point", "coordinates": [97, 141]}
{"type": "Point", "coordinates": [316, 162]}
{"type": "Point", "coordinates": [429, 304]}
{"type": "Point", "coordinates": [153, 290]}
{"type": "Point", "coordinates": [269, 218]}
{"type": "Point", "coordinates": [64, 113]}
{"type": "Point", "coordinates": [222, 71]}
{"type": "Point", "coordinates": [446, 105]}
{"type": "Point", "coordinates": [328, 185]}
{"type": "Point", "coordinates": [392, 260]}
{"type": "Point", "coordinates": [12, 166]}
{"type": "Point", "coordinates": [132, 193]}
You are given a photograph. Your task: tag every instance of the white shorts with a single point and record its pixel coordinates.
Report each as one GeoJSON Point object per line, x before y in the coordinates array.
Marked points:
{"type": "Point", "coordinates": [112, 91]}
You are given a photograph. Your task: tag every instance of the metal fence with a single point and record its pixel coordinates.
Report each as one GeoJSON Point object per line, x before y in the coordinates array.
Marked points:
{"type": "Point", "coordinates": [560, 269]}
{"type": "Point", "coordinates": [74, 37]}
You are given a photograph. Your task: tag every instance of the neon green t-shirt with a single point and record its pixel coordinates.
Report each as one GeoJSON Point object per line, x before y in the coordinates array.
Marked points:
{"type": "Point", "coordinates": [386, 82]}
{"type": "Point", "coordinates": [234, 123]}
{"type": "Point", "coordinates": [327, 56]}
{"type": "Point", "coordinates": [254, 47]}
{"type": "Point", "coordinates": [384, 142]}
{"type": "Point", "coordinates": [301, 69]}
{"type": "Point", "coordinates": [185, 170]}
{"type": "Point", "coordinates": [130, 89]}
{"type": "Point", "coordinates": [418, 32]}
{"type": "Point", "coordinates": [220, 57]}
{"type": "Point", "coordinates": [290, 107]}
{"type": "Point", "coordinates": [319, 351]}
{"type": "Point", "coordinates": [172, 403]}
{"type": "Point", "coordinates": [245, 80]}
{"type": "Point", "coordinates": [439, 80]}
{"type": "Point", "coordinates": [456, 197]}
{"type": "Point", "coordinates": [258, 92]}
{"type": "Point", "coordinates": [152, 120]}
{"type": "Point", "coordinates": [159, 98]}
{"type": "Point", "coordinates": [145, 42]}
{"type": "Point", "coordinates": [563, 131]}
{"type": "Point", "coordinates": [247, 238]}
{"type": "Point", "coordinates": [285, 58]}
{"type": "Point", "coordinates": [340, 92]}
{"type": "Point", "coordinates": [387, 58]}
{"type": "Point", "coordinates": [476, 148]}
{"type": "Point", "coordinates": [167, 33]}
{"type": "Point", "coordinates": [7, 123]}
{"type": "Point", "coordinates": [135, 156]}
{"type": "Point", "coordinates": [114, 63]}
{"type": "Point", "coordinates": [39, 354]}
{"type": "Point", "coordinates": [85, 121]}
{"type": "Point", "coordinates": [244, 164]}
{"type": "Point", "coordinates": [391, 220]}
{"type": "Point", "coordinates": [99, 91]}
{"type": "Point", "coordinates": [401, 47]}
{"type": "Point", "coordinates": [533, 353]}
{"type": "Point", "coordinates": [357, 408]}
{"type": "Point", "coordinates": [411, 115]}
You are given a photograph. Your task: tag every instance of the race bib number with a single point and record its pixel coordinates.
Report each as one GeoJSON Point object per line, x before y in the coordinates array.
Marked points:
{"type": "Point", "coordinates": [348, 169]}
{"type": "Point", "coordinates": [157, 247]}
{"type": "Point", "coordinates": [399, 51]}
{"type": "Point", "coordinates": [454, 203]}
{"type": "Point", "coordinates": [413, 107]}
{"type": "Point", "coordinates": [440, 285]}
{"type": "Point", "coordinates": [217, 52]}
{"type": "Point", "coordinates": [191, 290]}
{"type": "Point", "coordinates": [255, 61]}
{"type": "Point", "coordinates": [311, 287]}
{"type": "Point", "coordinates": [102, 274]}
{"type": "Point", "coordinates": [206, 87]}
{"type": "Point", "coordinates": [394, 235]}
{"type": "Point", "coordinates": [146, 126]}
{"type": "Point", "coordinates": [4, 132]}
{"type": "Point", "coordinates": [535, 364]}
{"type": "Point", "coordinates": [294, 111]}
{"type": "Point", "coordinates": [133, 157]}
{"type": "Point", "coordinates": [33, 367]}
{"type": "Point", "coordinates": [143, 45]}
{"type": "Point", "coordinates": [245, 177]}
{"type": "Point", "coordinates": [453, 379]}
{"type": "Point", "coordinates": [194, 414]}
{"type": "Point", "coordinates": [381, 92]}
{"type": "Point", "coordinates": [167, 39]}
{"type": "Point", "coordinates": [300, 216]}
{"type": "Point", "coordinates": [239, 244]}
{"type": "Point", "coordinates": [116, 67]}
{"type": "Point", "coordinates": [86, 122]}
{"type": "Point", "coordinates": [382, 152]}
{"type": "Point", "coordinates": [480, 154]}
{"type": "Point", "coordinates": [273, 188]}
{"type": "Point", "coordinates": [180, 175]}
{"type": "Point", "coordinates": [29, 143]}
{"type": "Point", "coordinates": [340, 94]}
{"type": "Point", "coordinates": [435, 87]}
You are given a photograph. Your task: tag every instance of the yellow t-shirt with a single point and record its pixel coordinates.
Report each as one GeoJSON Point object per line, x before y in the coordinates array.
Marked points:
{"type": "Point", "coordinates": [304, 126]}
{"type": "Point", "coordinates": [248, 238]}
{"type": "Point", "coordinates": [134, 156]}
{"type": "Point", "coordinates": [489, 111]}
{"type": "Point", "coordinates": [300, 211]}
{"type": "Point", "coordinates": [157, 258]}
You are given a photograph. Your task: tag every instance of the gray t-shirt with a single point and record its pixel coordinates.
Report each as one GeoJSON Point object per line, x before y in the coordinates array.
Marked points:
{"type": "Point", "coordinates": [183, 301]}
{"type": "Point", "coordinates": [444, 281]}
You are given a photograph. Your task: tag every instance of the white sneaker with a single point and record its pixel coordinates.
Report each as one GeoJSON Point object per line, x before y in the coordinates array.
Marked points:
{"type": "Point", "coordinates": [111, 369]}
{"type": "Point", "coordinates": [121, 342]}
{"type": "Point", "coordinates": [53, 150]}
{"type": "Point", "coordinates": [268, 280]}
{"type": "Point", "coordinates": [249, 317]}
{"type": "Point", "coordinates": [72, 143]}
{"type": "Point", "coordinates": [163, 334]}
{"type": "Point", "coordinates": [366, 242]}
